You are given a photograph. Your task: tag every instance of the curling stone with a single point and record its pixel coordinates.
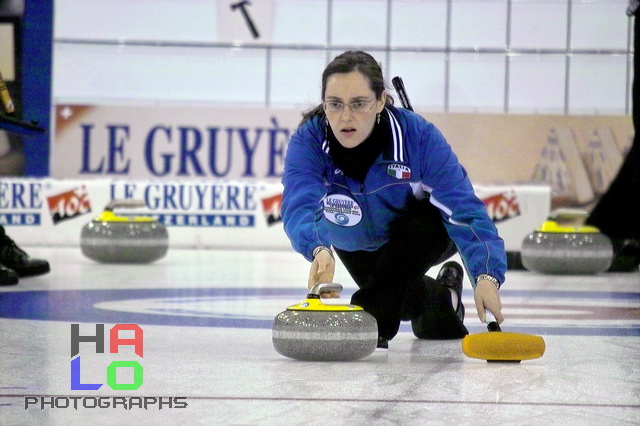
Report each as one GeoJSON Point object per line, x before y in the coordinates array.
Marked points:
{"type": "Point", "coordinates": [562, 247]}
{"type": "Point", "coordinates": [120, 239]}
{"type": "Point", "coordinates": [314, 331]}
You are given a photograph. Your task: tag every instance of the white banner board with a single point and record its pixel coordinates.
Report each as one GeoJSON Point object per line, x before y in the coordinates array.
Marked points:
{"type": "Point", "coordinates": [207, 214]}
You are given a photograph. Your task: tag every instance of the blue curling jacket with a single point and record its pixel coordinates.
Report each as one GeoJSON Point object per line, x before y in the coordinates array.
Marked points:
{"type": "Point", "coordinates": [322, 206]}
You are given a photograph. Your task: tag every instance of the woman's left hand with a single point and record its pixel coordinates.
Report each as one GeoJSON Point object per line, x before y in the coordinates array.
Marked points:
{"type": "Point", "coordinates": [487, 299]}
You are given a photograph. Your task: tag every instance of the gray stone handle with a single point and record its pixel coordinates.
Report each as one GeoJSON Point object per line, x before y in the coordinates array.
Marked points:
{"type": "Point", "coordinates": [320, 288]}
{"type": "Point", "coordinates": [568, 213]}
{"type": "Point", "coordinates": [127, 203]}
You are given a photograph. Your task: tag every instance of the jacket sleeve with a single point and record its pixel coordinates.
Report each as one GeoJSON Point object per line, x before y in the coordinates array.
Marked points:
{"type": "Point", "coordinates": [465, 215]}
{"type": "Point", "coordinates": [304, 190]}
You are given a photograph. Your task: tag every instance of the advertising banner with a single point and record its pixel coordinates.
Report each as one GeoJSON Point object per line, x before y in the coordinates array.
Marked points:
{"type": "Point", "coordinates": [197, 214]}
{"type": "Point", "coordinates": [207, 214]}
{"type": "Point", "coordinates": [577, 156]}
{"type": "Point", "coordinates": [171, 143]}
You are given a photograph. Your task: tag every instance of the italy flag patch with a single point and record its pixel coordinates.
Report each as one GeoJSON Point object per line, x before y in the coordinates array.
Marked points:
{"type": "Point", "coordinates": [399, 171]}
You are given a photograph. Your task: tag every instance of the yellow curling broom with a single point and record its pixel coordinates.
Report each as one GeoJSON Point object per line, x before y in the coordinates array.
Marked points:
{"type": "Point", "coordinates": [499, 346]}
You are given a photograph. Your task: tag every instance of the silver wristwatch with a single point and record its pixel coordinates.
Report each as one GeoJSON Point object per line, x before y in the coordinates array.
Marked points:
{"type": "Point", "coordinates": [489, 278]}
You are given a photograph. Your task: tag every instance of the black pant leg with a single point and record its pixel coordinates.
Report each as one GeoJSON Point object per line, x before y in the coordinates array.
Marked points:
{"type": "Point", "coordinates": [387, 276]}
{"type": "Point", "coordinates": [437, 319]}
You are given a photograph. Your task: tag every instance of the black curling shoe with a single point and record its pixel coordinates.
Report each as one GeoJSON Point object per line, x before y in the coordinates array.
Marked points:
{"type": "Point", "coordinates": [8, 276]}
{"type": "Point", "coordinates": [14, 258]}
{"type": "Point", "coordinates": [450, 276]}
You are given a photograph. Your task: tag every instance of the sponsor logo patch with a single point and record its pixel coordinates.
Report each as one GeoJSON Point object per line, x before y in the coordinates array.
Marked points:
{"type": "Point", "coordinates": [342, 210]}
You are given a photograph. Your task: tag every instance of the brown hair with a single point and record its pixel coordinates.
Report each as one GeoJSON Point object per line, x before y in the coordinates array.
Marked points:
{"type": "Point", "coordinates": [345, 63]}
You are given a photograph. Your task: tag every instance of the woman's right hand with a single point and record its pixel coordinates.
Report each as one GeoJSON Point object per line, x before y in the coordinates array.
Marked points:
{"type": "Point", "coordinates": [322, 269]}
{"type": "Point", "coordinates": [487, 298]}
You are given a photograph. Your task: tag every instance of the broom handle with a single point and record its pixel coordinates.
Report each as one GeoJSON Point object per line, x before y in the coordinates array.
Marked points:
{"type": "Point", "coordinates": [492, 322]}
{"type": "Point", "coordinates": [398, 84]}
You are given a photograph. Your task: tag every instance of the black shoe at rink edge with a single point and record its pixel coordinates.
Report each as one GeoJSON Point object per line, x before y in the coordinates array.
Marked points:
{"type": "Point", "coordinates": [13, 257]}
{"type": "Point", "coordinates": [450, 276]}
{"type": "Point", "coordinates": [8, 276]}
{"type": "Point", "coordinates": [383, 343]}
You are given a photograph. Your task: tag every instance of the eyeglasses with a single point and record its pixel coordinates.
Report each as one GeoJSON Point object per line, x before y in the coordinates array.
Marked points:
{"type": "Point", "coordinates": [357, 106]}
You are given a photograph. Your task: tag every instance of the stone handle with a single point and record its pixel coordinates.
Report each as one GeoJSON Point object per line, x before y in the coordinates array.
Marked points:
{"type": "Point", "coordinates": [320, 288]}
{"type": "Point", "coordinates": [127, 203]}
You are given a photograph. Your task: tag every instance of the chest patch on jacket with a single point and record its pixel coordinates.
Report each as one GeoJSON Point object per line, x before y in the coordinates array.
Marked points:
{"type": "Point", "coordinates": [399, 171]}
{"type": "Point", "coordinates": [342, 210]}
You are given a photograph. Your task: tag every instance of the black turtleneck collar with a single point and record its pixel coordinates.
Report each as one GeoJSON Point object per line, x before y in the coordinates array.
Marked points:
{"type": "Point", "coordinates": [355, 162]}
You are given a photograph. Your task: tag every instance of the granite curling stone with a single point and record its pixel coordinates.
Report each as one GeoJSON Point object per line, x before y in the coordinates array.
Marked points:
{"type": "Point", "coordinates": [120, 239]}
{"type": "Point", "coordinates": [314, 331]}
{"type": "Point", "coordinates": [561, 247]}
